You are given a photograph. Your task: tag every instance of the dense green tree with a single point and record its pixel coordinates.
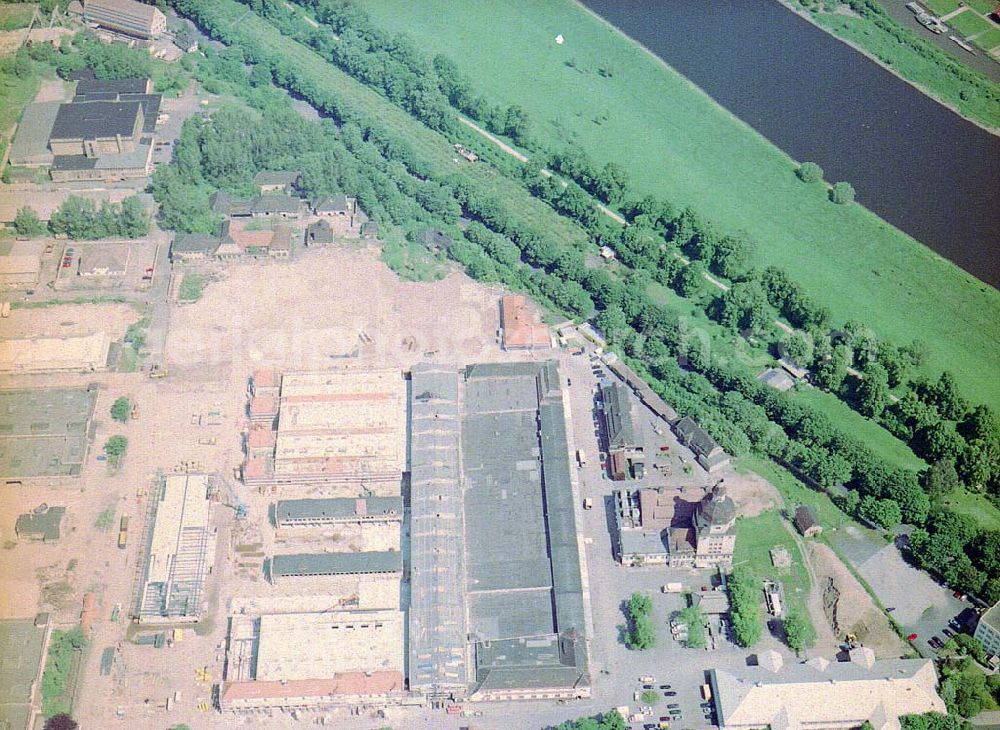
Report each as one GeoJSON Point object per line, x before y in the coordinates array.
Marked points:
{"type": "Point", "coordinates": [873, 391]}
{"type": "Point", "coordinates": [691, 279]}
{"type": "Point", "coordinates": [27, 223]}
{"type": "Point", "coordinates": [938, 441]}
{"type": "Point", "coordinates": [732, 256]}
{"type": "Point", "coordinates": [62, 721]}
{"type": "Point", "coordinates": [809, 172]}
{"type": "Point", "coordinates": [842, 193]}
{"type": "Point", "coordinates": [745, 307]}
{"type": "Point", "coordinates": [121, 409]}
{"type": "Point", "coordinates": [799, 634]}
{"type": "Point", "coordinates": [949, 403]}
{"type": "Point", "coordinates": [694, 618]}
{"type": "Point", "coordinates": [744, 603]}
{"type": "Point", "coordinates": [831, 368]}
{"type": "Point", "coordinates": [940, 479]}
{"type": "Point", "coordinates": [882, 512]}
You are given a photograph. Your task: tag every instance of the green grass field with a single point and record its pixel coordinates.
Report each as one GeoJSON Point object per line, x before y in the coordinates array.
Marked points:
{"type": "Point", "coordinates": [989, 40]}
{"type": "Point", "coordinates": [967, 23]}
{"type": "Point", "coordinates": [983, 6]}
{"type": "Point", "coordinates": [192, 286]}
{"type": "Point", "coordinates": [941, 7]}
{"type": "Point", "coordinates": [793, 491]}
{"type": "Point", "coordinates": [16, 15]}
{"type": "Point", "coordinates": [14, 94]}
{"type": "Point", "coordinates": [676, 142]}
{"type": "Point", "coordinates": [755, 536]}
{"type": "Point", "coordinates": [976, 506]}
{"type": "Point", "coordinates": [852, 422]}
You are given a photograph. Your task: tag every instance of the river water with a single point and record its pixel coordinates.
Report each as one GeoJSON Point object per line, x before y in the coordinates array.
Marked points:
{"type": "Point", "coordinates": [912, 161]}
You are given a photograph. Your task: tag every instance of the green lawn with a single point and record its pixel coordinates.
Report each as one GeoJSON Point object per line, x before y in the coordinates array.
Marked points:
{"type": "Point", "coordinates": [411, 261]}
{"type": "Point", "coordinates": [14, 94]}
{"type": "Point", "coordinates": [676, 142]}
{"type": "Point", "coordinates": [755, 536]}
{"type": "Point", "coordinates": [793, 491]}
{"type": "Point", "coordinates": [989, 40]}
{"type": "Point", "coordinates": [941, 7]}
{"type": "Point", "coordinates": [983, 6]}
{"type": "Point", "coordinates": [968, 23]}
{"type": "Point", "coordinates": [976, 506]}
{"type": "Point", "coordinates": [16, 15]}
{"type": "Point", "coordinates": [852, 422]}
{"type": "Point", "coordinates": [191, 289]}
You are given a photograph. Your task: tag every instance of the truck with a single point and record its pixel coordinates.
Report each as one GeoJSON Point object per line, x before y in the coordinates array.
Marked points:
{"type": "Point", "coordinates": [123, 532]}
{"type": "Point", "coordinates": [588, 503]}
{"type": "Point", "coordinates": [672, 588]}
{"type": "Point", "coordinates": [581, 457]}
{"type": "Point", "coordinates": [706, 692]}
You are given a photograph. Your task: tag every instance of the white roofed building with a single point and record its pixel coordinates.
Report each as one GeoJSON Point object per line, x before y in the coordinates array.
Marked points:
{"type": "Point", "coordinates": [820, 694]}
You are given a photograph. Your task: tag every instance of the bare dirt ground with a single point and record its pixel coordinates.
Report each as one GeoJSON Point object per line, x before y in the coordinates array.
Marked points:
{"type": "Point", "coordinates": [69, 320]}
{"type": "Point", "coordinates": [751, 493]}
{"type": "Point", "coordinates": [848, 608]}
{"type": "Point", "coordinates": [286, 315]}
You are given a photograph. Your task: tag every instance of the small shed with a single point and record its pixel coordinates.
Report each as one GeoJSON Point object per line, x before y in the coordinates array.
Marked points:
{"type": "Point", "coordinates": [607, 253]}
{"type": "Point", "coordinates": [806, 522]}
{"type": "Point", "coordinates": [319, 233]}
{"type": "Point", "coordinates": [369, 230]}
{"type": "Point", "coordinates": [276, 181]}
{"type": "Point", "coordinates": [435, 240]}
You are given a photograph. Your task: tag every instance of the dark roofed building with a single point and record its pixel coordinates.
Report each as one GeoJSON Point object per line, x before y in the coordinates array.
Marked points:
{"type": "Point", "coordinates": [97, 128]}
{"type": "Point", "coordinates": [275, 206]}
{"type": "Point", "coordinates": [193, 246]}
{"type": "Point", "coordinates": [274, 181]}
{"type": "Point", "coordinates": [805, 522]}
{"type": "Point", "coordinates": [319, 233]}
{"type": "Point", "coordinates": [331, 205]}
{"type": "Point", "coordinates": [369, 229]}
{"type": "Point", "coordinates": [315, 512]}
{"type": "Point", "coordinates": [708, 453]}
{"type": "Point", "coordinates": [624, 443]}
{"type": "Point", "coordinates": [327, 564]}
{"type": "Point", "coordinates": [531, 668]}
{"type": "Point", "coordinates": [225, 204]}
{"type": "Point", "coordinates": [88, 87]}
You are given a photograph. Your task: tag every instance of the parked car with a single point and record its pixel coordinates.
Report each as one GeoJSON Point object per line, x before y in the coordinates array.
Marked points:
{"type": "Point", "coordinates": [672, 705]}
{"type": "Point", "coordinates": [665, 686]}
{"type": "Point", "coordinates": [669, 694]}
{"type": "Point", "coordinates": [948, 632]}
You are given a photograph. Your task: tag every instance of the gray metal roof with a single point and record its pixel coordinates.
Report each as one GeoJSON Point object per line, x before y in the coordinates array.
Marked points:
{"type": "Point", "coordinates": [44, 432]}
{"type": "Point", "coordinates": [437, 628]}
{"type": "Point", "coordinates": [86, 87]}
{"type": "Point", "coordinates": [331, 204]}
{"type": "Point", "coordinates": [336, 563]}
{"type": "Point", "coordinates": [523, 574]}
{"type": "Point", "coordinates": [194, 243]}
{"type": "Point", "coordinates": [31, 141]}
{"type": "Point", "coordinates": [531, 662]}
{"type": "Point", "coordinates": [95, 120]}
{"type": "Point", "coordinates": [276, 204]}
{"type": "Point", "coordinates": [332, 509]}
{"type": "Point", "coordinates": [694, 436]}
{"type": "Point", "coordinates": [619, 417]}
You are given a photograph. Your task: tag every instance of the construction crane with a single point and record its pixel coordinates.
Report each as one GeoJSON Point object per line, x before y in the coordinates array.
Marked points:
{"type": "Point", "coordinates": [242, 512]}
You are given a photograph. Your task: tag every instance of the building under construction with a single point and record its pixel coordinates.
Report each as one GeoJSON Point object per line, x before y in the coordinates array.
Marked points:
{"type": "Point", "coordinates": [178, 551]}
{"type": "Point", "coordinates": [313, 660]}
{"type": "Point", "coordinates": [344, 427]}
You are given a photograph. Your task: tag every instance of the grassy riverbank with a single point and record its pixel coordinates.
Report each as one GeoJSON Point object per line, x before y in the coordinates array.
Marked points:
{"type": "Point", "coordinates": [921, 63]}
{"type": "Point", "coordinates": [606, 95]}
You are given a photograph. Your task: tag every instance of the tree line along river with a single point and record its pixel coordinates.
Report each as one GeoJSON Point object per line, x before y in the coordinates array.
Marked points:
{"type": "Point", "coordinates": [912, 161]}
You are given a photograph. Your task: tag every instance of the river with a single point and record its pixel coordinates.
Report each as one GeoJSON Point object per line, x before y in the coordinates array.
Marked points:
{"type": "Point", "coordinates": [913, 162]}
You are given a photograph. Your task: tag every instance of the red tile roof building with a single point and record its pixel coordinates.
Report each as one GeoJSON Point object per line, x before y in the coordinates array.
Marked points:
{"type": "Point", "coordinates": [521, 330]}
